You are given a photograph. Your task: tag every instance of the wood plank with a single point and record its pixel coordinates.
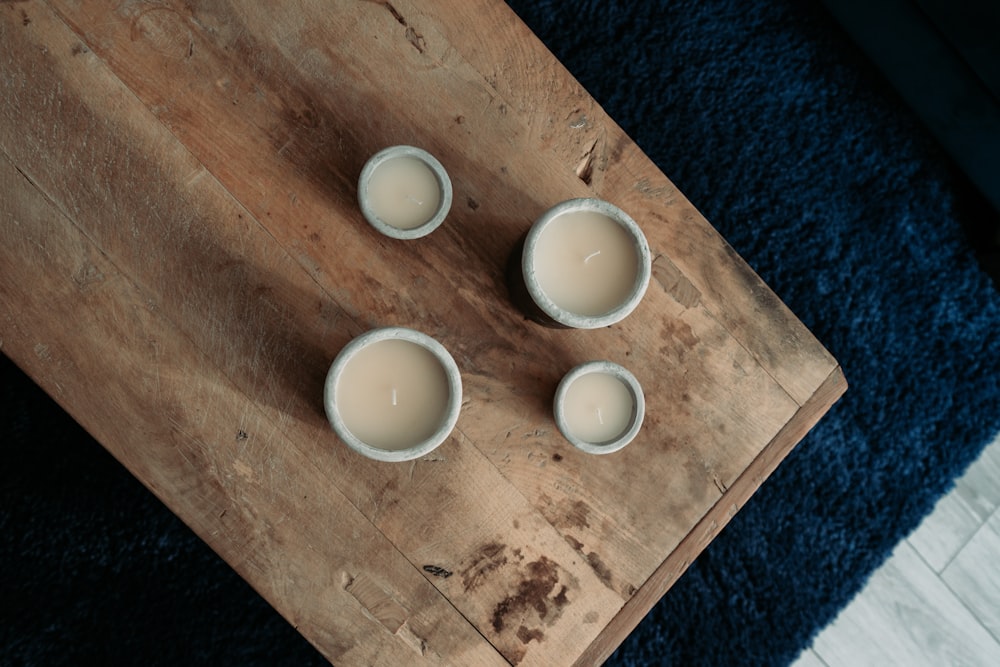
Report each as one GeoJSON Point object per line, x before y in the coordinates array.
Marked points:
{"type": "Point", "coordinates": [207, 153]}
{"type": "Point", "coordinates": [190, 104]}
{"type": "Point", "coordinates": [695, 264]}
{"type": "Point", "coordinates": [958, 515]}
{"type": "Point", "coordinates": [247, 309]}
{"type": "Point", "coordinates": [906, 616]}
{"type": "Point", "coordinates": [974, 575]}
{"type": "Point", "coordinates": [714, 521]}
{"type": "Point", "coordinates": [236, 493]}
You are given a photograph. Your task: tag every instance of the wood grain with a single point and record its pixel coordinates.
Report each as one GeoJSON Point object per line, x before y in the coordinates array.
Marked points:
{"type": "Point", "coordinates": [234, 491]}
{"type": "Point", "coordinates": [185, 193]}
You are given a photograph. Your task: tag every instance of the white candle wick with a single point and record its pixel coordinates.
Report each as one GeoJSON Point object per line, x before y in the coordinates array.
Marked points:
{"type": "Point", "coordinates": [394, 396]}
{"type": "Point", "coordinates": [591, 256]}
{"type": "Point", "coordinates": [600, 419]}
{"type": "Point", "coordinates": [414, 200]}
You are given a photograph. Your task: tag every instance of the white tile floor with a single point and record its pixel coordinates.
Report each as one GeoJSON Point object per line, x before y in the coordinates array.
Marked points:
{"type": "Point", "coordinates": [936, 601]}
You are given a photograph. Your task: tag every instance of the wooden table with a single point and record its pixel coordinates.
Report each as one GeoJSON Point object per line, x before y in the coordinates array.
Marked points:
{"type": "Point", "coordinates": [182, 256]}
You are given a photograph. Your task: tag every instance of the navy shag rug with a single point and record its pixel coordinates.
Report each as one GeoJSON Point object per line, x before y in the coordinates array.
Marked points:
{"type": "Point", "coordinates": [774, 125]}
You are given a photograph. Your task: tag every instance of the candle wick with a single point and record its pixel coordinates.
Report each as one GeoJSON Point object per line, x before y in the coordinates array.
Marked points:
{"type": "Point", "coordinates": [414, 200]}
{"type": "Point", "coordinates": [591, 256]}
{"type": "Point", "coordinates": [600, 419]}
{"type": "Point", "coordinates": [394, 396]}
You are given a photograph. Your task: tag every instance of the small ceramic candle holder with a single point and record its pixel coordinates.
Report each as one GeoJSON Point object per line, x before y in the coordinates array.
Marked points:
{"type": "Point", "coordinates": [599, 407]}
{"type": "Point", "coordinates": [393, 394]}
{"type": "Point", "coordinates": [404, 192]}
{"type": "Point", "coordinates": [584, 264]}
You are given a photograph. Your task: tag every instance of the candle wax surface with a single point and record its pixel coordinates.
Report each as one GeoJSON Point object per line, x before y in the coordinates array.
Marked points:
{"type": "Point", "coordinates": [598, 407]}
{"type": "Point", "coordinates": [393, 394]}
{"type": "Point", "coordinates": [404, 192]}
{"type": "Point", "coordinates": [586, 262]}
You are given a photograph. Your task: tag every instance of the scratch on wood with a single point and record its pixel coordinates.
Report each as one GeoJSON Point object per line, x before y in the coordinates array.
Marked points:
{"type": "Point", "coordinates": [88, 275]}
{"type": "Point", "coordinates": [719, 484]}
{"type": "Point", "coordinates": [408, 637]}
{"type": "Point", "coordinates": [674, 282]}
{"type": "Point", "coordinates": [416, 39]}
{"type": "Point", "coordinates": [285, 145]}
{"type": "Point", "coordinates": [585, 169]}
{"type": "Point", "coordinates": [379, 604]}
{"type": "Point", "coordinates": [395, 13]}
{"type": "Point", "coordinates": [42, 351]}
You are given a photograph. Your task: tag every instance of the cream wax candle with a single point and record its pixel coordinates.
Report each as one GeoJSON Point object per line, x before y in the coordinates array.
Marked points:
{"type": "Point", "coordinates": [404, 192]}
{"type": "Point", "coordinates": [393, 394]}
{"type": "Point", "coordinates": [583, 264]}
{"type": "Point", "coordinates": [599, 407]}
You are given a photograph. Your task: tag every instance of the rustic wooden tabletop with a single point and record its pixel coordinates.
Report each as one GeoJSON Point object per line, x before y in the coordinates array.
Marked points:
{"type": "Point", "coordinates": [182, 256]}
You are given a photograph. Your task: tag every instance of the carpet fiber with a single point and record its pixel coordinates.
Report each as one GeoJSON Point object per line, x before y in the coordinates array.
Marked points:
{"type": "Point", "coordinates": [778, 130]}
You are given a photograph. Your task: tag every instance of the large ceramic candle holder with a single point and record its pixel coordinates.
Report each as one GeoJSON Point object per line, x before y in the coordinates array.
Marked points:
{"type": "Point", "coordinates": [404, 192]}
{"type": "Point", "coordinates": [584, 264]}
{"type": "Point", "coordinates": [393, 394]}
{"type": "Point", "coordinates": [599, 407]}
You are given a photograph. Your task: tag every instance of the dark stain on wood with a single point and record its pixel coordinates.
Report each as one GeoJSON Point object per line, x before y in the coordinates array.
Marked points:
{"type": "Point", "coordinates": [437, 571]}
{"type": "Point", "coordinates": [577, 515]}
{"type": "Point", "coordinates": [488, 558]}
{"type": "Point", "coordinates": [680, 331]}
{"type": "Point", "coordinates": [560, 600]}
{"type": "Point", "coordinates": [532, 593]}
{"type": "Point", "coordinates": [599, 567]}
{"type": "Point", "coordinates": [557, 457]}
{"type": "Point", "coordinates": [526, 635]}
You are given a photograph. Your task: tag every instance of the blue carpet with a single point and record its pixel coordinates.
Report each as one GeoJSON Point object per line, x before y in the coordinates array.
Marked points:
{"type": "Point", "coordinates": [773, 124]}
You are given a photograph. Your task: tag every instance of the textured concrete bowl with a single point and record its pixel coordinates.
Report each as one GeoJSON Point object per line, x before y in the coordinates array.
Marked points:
{"type": "Point", "coordinates": [560, 315]}
{"type": "Point", "coordinates": [448, 421]}
{"type": "Point", "coordinates": [638, 406]}
{"type": "Point", "coordinates": [364, 198]}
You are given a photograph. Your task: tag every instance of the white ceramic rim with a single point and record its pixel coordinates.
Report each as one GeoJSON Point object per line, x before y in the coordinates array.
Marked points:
{"type": "Point", "coordinates": [569, 318]}
{"type": "Point", "coordinates": [638, 406]}
{"type": "Point", "coordinates": [393, 333]}
{"type": "Point", "coordinates": [444, 183]}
